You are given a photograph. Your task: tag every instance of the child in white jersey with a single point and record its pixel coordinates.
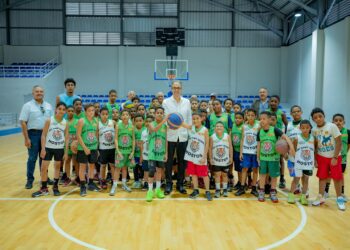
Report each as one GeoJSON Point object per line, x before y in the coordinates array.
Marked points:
{"type": "Point", "coordinates": [304, 145]}
{"type": "Point", "coordinates": [106, 136]}
{"type": "Point", "coordinates": [54, 141]}
{"type": "Point", "coordinates": [221, 156]}
{"type": "Point", "coordinates": [196, 154]}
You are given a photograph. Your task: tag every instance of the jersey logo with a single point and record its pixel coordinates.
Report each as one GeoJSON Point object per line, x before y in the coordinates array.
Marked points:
{"type": "Point", "coordinates": [250, 139]}
{"type": "Point", "coordinates": [267, 147]}
{"type": "Point", "coordinates": [235, 139]}
{"type": "Point", "coordinates": [125, 140]}
{"type": "Point", "coordinates": [306, 154]}
{"type": "Point", "coordinates": [57, 134]}
{"type": "Point", "coordinates": [91, 137]}
{"type": "Point", "coordinates": [220, 152]}
{"type": "Point", "coordinates": [158, 144]}
{"type": "Point", "coordinates": [194, 146]}
{"type": "Point", "coordinates": [108, 136]}
{"type": "Point", "coordinates": [326, 141]}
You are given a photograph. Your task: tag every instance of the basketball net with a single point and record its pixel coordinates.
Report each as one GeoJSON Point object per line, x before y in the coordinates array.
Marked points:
{"type": "Point", "coordinates": [171, 76]}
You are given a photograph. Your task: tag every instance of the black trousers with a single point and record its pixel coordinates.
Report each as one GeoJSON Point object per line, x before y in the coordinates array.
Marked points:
{"type": "Point", "coordinates": [180, 153]}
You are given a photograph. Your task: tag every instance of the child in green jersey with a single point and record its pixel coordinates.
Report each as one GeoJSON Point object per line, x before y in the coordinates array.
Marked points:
{"type": "Point", "coordinates": [144, 151]}
{"type": "Point", "coordinates": [125, 147]}
{"type": "Point", "coordinates": [267, 156]}
{"type": "Point", "coordinates": [87, 135]}
{"type": "Point", "coordinates": [236, 137]}
{"type": "Point", "coordinates": [157, 153]}
{"type": "Point", "coordinates": [138, 126]}
{"type": "Point", "coordinates": [111, 104]}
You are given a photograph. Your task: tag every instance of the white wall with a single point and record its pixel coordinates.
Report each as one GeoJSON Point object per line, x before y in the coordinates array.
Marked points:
{"type": "Point", "coordinates": [30, 53]}
{"type": "Point", "coordinates": [336, 89]}
{"type": "Point", "coordinates": [15, 90]}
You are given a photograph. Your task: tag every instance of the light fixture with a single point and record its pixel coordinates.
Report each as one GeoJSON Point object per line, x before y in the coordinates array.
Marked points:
{"type": "Point", "coordinates": [297, 14]}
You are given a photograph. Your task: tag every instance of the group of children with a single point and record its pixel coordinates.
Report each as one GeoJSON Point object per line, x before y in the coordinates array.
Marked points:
{"type": "Point", "coordinates": [221, 138]}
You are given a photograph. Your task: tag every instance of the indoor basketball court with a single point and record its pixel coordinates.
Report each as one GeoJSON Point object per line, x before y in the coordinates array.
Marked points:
{"type": "Point", "coordinates": [146, 53]}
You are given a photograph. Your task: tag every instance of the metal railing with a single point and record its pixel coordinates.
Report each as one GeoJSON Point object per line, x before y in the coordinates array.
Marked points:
{"type": "Point", "coordinates": [9, 120]}
{"type": "Point", "coordinates": [24, 70]}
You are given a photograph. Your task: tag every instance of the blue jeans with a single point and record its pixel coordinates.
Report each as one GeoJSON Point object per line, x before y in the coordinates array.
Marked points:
{"type": "Point", "coordinates": [33, 153]}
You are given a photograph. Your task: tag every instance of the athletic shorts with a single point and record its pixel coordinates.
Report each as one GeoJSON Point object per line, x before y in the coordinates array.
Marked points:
{"type": "Point", "coordinates": [57, 154]}
{"type": "Point", "coordinates": [84, 159]}
{"type": "Point", "coordinates": [224, 169]}
{"type": "Point", "coordinates": [343, 167]}
{"type": "Point", "coordinates": [297, 172]}
{"type": "Point", "coordinates": [145, 165]}
{"type": "Point", "coordinates": [249, 161]}
{"type": "Point", "coordinates": [270, 167]}
{"type": "Point", "coordinates": [325, 170]}
{"type": "Point", "coordinates": [107, 156]}
{"type": "Point", "coordinates": [156, 164]}
{"type": "Point", "coordinates": [237, 162]}
{"type": "Point", "coordinates": [124, 161]}
{"type": "Point", "coordinates": [197, 170]}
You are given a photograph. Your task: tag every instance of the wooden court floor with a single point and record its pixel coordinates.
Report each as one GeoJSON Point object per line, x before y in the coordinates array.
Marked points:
{"type": "Point", "coordinates": [126, 221]}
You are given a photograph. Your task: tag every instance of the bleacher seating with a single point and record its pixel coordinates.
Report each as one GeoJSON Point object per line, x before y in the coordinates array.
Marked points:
{"type": "Point", "coordinates": [27, 70]}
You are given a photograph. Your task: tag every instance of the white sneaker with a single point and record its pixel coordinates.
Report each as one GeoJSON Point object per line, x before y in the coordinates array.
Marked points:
{"type": "Point", "coordinates": [113, 190]}
{"type": "Point", "coordinates": [319, 200]}
{"type": "Point", "coordinates": [326, 195]}
{"type": "Point", "coordinates": [341, 203]}
{"type": "Point", "coordinates": [126, 188]}
{"type": "Point", "coordinates": [344, 197]}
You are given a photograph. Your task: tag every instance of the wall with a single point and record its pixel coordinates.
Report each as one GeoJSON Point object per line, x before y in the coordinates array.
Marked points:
{"type": "Point", "coordinates": [20, 89]}
{"type": "Point", "coordinates": [30, 53]}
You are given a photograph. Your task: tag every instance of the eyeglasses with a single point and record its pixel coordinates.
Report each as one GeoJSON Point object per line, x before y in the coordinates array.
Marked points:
{"type": "Point", "coordinates": [176, 87]}
{"type": "Point", "coordinates": [42, 109]}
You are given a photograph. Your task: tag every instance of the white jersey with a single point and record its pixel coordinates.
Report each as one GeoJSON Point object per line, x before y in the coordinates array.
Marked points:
{"type": "Point", "coordinates": [144, 139]}
{"type": "Point", "coordinates": [196, 146]}
{"type": "Point", "coordinates": [55, 137]}
{"type": "Point", "coordinates": [292, 133]}
{"type": "Point", "coordinates": [250, 143]}
{"type": "Point", "coordinates": [221, 150]}
{"type": "Point", "coordinates": [106, 134]}
{"type": "Point", "coordinates": [305, 153]}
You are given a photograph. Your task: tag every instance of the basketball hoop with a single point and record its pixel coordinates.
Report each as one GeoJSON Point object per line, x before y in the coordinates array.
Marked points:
{"type": "Point", "coordinates": [171, 76]}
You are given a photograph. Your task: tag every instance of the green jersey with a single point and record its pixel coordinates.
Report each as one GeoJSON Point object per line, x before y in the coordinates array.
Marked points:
{"type": "Point", "coordinates": [138, 141]}
{"type": "Point", "coordinates": [268, 145]}
{"type": "Point", "coordinates": [278, 113]}
{"type": "Point", "coordinates": [345, 144]}
{"type": "Point", "coordinates": [81, 115]}
{"type": "Point", "coordinates": [72, 132]}
{"type": "Point", "coordinates": [213, 119]}
{"type": "Point", "coordinates": [157, 143]}
{"type": "Point", "coordinates": [125, 137]}
{"type": "Point", "coordinates": [110, 108]}
{"type": "Point", "coordinates": [88, 134]}
{"type": "Point", "coordinates": [236, 136]}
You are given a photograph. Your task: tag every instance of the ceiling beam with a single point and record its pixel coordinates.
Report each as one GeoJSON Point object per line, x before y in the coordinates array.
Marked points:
{"type": "Point", "coordinates": [275, 11]}
{"type": "Point", "coordinates": [238, 12]}
{"type": "Point", "coordinates": [304, 6]}
{"type": "Point", "coordinates": [14, 4]}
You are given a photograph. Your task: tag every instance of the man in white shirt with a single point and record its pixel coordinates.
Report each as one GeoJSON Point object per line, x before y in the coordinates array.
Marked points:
{"type": "Point", "coordinates": [177, 139]}
{"type": "Point", "coordinates": [33, 116]}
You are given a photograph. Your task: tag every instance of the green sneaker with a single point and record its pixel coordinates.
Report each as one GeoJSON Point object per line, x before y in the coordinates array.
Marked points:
{"type": "Point", "coordinates": [159, 193]}
{"type": "Point", "coordinates": [291, 198]}
{"type": "Point", "coordinates": [303, 200]}
{"type": "Point", "coordinates": [149, 196]}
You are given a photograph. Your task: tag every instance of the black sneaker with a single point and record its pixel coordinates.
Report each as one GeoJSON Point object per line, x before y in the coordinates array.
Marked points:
{"type": "Point", "coordinates": [168, 188]}
{"type": "Point", "coordinates": [194, 194]}
{"type": "Point", "coordinates": [237, 186]}
{"type": "Point", "coordinates": [41, 192]}
{"type": "Point", "coordinates": [181, 190]}
{"type": "Point", "coordinates": [63, 178]}
{"type": "Point", "coordinates": [282, 183]}
{"type": "Point", "coordinates": [93, 187]}
{"type": "Point", "coordinates": [145, 186]}
{"type": "Point", "coordinates": [83, 191]}
{"type": "Point", "coordinates": [240, 191]}
{"type": "Point", "coordinates": [29, 185]}
{"type": "Point", "coordinates": [254, 192]}
{"type": "Point", "coordinates": [225, 193]}
{"type": "Point", "coordinates": [50, 182]}
{"type": "Point", "coordinates": [217, 193]}
{"type": "Point", "coordinates": [56, 192]}
{"type": "Point", "coordinates": [208, 196]}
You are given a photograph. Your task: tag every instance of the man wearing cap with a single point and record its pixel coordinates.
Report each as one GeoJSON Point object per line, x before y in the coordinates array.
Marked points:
{"type": "Point", "coordinates": [177, 139]}
{"type": "Point", "coordinates": [212, 97]}
{"type": "Point", "coordinates": [32, 117]}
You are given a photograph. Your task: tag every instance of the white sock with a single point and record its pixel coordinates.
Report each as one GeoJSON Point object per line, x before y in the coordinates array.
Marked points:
{"type": "Point", "coordinates": [224, 185]}
{"type": "Point", "coordinates": [115, 183]}
{"type": "Point", "coordinates": [124, 181]}
{"type": "Point", "coordinates": [158, 184]}
{"type": "Point", "coordinates": [217, 185]}
{"type": "Point", "coordinates": [150, 186]}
